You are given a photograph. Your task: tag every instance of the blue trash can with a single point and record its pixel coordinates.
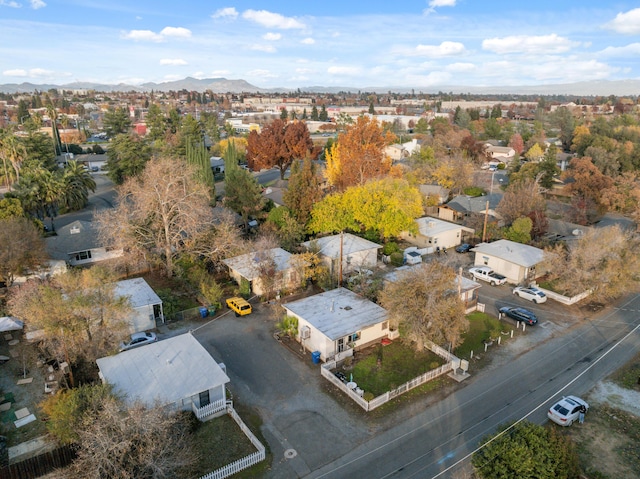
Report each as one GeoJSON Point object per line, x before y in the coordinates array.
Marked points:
{"type": "Point", "coordinates": [315, 357]}
{"type": "Point", "coordinates": [204, 312]}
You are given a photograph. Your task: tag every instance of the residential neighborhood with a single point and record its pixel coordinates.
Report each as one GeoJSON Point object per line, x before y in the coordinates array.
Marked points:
{"type": "Point", "coordinates": [278, 282]}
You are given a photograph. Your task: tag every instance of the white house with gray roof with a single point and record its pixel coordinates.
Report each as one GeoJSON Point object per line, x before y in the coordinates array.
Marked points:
{"type": "Point", "coordinates": [514, 260]}
{"type": "Point", "coordinates": [357, 253]}
{"type": "Point", "coordinates": [436, 233]}
{"type": "Point", "coordinates": [336, 321]}
{"type": "Point", "coordinates": [78, 244]}
{"type": "Point", "coordinates": [253, 267]}
{"type": "Point", "coordinates": [146, 304]}
{"type": "Point", "coordinates": [178, 373]}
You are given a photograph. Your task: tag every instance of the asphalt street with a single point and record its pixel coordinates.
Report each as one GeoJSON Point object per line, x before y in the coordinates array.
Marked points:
{"type": "Point", "coordinates": [439, 441]}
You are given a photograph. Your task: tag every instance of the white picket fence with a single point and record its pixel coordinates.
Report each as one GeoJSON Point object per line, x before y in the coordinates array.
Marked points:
{"type": "Point", "coordinates": [327, 368]}
{"type": "Point", "coordinates": [244, 462]}
{"type": "Point", "coordinates": [210, 409]}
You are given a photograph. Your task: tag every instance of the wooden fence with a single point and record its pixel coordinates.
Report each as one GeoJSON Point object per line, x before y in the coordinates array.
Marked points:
{"type": "Point", "coordinates": [40, 465]}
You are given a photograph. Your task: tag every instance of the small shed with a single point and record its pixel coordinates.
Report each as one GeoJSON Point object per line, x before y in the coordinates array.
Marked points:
{"type": "Point", "coordinates": [177, 372]}
{"type": "Point", "coordinates": [274, 263]}
{"type": "Point", "coordinates": [337, 320]}
{"type": "Point", "coordinates": [516, 261]}
{"type": "Point", "coordinates": [146, 304]}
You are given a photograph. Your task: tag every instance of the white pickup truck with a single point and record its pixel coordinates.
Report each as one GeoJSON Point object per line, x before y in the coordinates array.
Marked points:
{"type": "Point", "coordinates": [487, 274]}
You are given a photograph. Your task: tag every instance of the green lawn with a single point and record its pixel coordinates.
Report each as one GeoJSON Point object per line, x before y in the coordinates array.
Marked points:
{"type": "Point", "coordinates": [482, 327]}
{"type": "Point", "coordinates": [399, 363]}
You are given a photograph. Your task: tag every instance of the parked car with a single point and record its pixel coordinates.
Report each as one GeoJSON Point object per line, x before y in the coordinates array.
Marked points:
{"type": "Point", "coordinates": [567, 410]}
{"type": "Point", "coordinates": [240, 306]}
{"type": "Point", "coordinates": [463, 248]}
{"type": "Point", "coordinates": [520, 314]}
{"type": "Point", "coordinates": [138, 339]}
{"type": "Point", "coordinates": [530, 293]}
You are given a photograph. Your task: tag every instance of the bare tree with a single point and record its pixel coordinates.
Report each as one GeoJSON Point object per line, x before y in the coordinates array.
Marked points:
{"type": "Point", "coordinates": [139, 443]}
{"type": "Point", "coordinates": [520, 199]}
{"type": "Point", "coordinates": [159, 213]}
{"type": "Point", "coordinates": [22, 248]}
{"type": "Point", "coordinates": [425, 305]}
{"type": "Point", "coordinates": [604, 260]}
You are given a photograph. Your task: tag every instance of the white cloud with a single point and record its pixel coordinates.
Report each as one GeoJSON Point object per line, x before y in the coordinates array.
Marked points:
{"type": "Point", "coordinates": [142, 35]}
{"type": "Point", "coordinates": [149, 36]}
{"type": "Point", "coordinates": [307, 41]}
{"type": "Point", "coordinates": [40, 72]}
{"type": "Point", "coordinates": [176, 32]}
{"type": "Point", "coordinates": [17, 72]}
{"type": "Point", "coordinates": [272, 20]}
{"type": "Point", "coordinates": [539, 45]}
{"type": "Point", "coordinates": [228, 12]}
{"type": "Point", "coordinates": [220, 73]}
{"type": "Point", "coordinates": [262, 73]}
{"type": "Point", "coordinates": [173, 61]}
{"type": "Point", "coordinates": [627, 23]}
{"type": "Point", "coordinates": [460, 67]}
{"type": "Point", "coordinates": [631, 50]}
{"type": "Point", "coordinates": [272, 36]}
{"type": "Point", "coordinates": [36, 4]}
{"type": "Point", "coordinates": [433, 4]}
{"type": "Point", "coordinates": [343, 70]}
{"type": "Point", "coordinates": [12, 4]}
{"type": "Point", "coordinates": [261, 47]}
{"type": "Point", "coordinates": [445, 49]}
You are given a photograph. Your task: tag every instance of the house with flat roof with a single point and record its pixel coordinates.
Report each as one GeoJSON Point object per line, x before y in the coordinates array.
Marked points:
{"type": "Point", "coordinates": [336, 321]}
{"type": "Point", "coordinates": [178, 373]}
{"type": "Point", "coordinates": [267, 271]}
{"type": "Point", "coordinates": [516, 261]}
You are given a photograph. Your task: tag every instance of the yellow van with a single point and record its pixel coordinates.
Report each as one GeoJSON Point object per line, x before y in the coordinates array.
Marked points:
{"type": "Point", "coordinates": [239, 305]}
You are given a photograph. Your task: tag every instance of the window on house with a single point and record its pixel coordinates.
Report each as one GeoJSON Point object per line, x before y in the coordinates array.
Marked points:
{"type": "Point", "coordinates": [354, 337]}
{"type": "Point", "coordinates": [83, 255]}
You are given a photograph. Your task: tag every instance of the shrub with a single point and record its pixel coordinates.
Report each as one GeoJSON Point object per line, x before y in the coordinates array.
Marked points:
{"type": "Point", "coordinates": [397, 259]}
{"type": "Point", "coordinates": [390, 248]}
{"type": "Point", "coordinates": [473, 191]}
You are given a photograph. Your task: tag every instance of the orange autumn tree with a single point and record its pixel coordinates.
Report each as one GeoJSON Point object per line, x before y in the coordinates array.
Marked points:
{"type": "Point", "coordinates": [279, 144]}
{"type": "Point", "coordinates": [358, 155]}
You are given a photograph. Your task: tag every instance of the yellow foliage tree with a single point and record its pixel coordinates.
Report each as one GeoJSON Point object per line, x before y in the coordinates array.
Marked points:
{"type": "Point", "coordinates": [535, 153]}
{"type": "Point", "coordinates": [358, 155]}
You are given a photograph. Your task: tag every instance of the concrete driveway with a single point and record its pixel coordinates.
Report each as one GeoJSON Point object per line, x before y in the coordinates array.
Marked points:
{"type": "Point", "coordinates": [286, 389]}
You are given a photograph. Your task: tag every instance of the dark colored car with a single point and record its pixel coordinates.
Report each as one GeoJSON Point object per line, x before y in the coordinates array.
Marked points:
{"type": "Point", "coordinates": [463, 248]}
{"type": "Point", "coordinates": [520, 314]}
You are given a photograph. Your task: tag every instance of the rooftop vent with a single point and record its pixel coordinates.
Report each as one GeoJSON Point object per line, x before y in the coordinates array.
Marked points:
{"type": "Point", "coordinates": [74, 230]}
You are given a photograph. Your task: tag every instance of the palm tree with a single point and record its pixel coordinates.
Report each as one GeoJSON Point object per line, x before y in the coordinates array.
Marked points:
{"type": "Point", "coordinates": [13, 151]}
{"type": "Point", "coordinates": [77, 183]}
{"type": "Point", "coordinates": [40, 192]}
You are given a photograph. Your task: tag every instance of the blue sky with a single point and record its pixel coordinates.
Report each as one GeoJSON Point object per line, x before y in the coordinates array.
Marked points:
{"type": "Point", "coordinates": [416, 44]}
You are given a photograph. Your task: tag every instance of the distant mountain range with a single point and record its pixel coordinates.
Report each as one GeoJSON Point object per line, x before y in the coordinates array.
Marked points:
{"type": "Point", "coordinates": [222, 85]}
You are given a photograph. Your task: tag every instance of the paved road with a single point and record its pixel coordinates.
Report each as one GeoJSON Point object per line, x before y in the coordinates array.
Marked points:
{"type": "Point", "coordinates": [333, 438]}
{"type": "Point", "coordinates": [438, 441]}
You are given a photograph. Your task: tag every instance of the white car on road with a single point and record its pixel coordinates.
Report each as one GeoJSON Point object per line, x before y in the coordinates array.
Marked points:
{"type": "Point", "coordinates": [531, 293]}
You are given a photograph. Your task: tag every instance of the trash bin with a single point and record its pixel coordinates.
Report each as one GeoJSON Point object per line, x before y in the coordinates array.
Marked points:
{"type": "Point", "coordinates": [315, 357]}
{"type": "Point", "coordinates": [204, 312]}
{"type": "Point", "coordinates": [212, 310]}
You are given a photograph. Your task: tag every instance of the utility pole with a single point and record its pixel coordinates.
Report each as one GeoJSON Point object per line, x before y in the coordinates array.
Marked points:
{"type": "Point", "coordinates": [484, 229]}
{"type": "Point", "coordinates": [340, 267]}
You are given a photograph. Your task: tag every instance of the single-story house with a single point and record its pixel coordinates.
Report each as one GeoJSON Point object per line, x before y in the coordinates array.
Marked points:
{"type": "Point", "coordinates": [357, 253]}
{"type": "Point", "coordinates": [514, 260]}
{"type": "Point", "coordinates": [463, 205]}
{"type": "Point", "coordinates": [467, 288]}
{"type": "Point", "coordinates": [500, 153]}
{"type": "Point", "coordinates": [336, 321]}
{"type": "Point", "coordinates": [398, 151]}
{"type": "Point", "coordinates": [434, 232]}
{"type": "Point", "coordinates": [440, 193]}
{"type": "Point", "coordinates": [217, 164]}
{"type": "Point", "coordinates": [78, 244]}
{"type": "Point", "coordinates": [178, 373]}
{"type": "Point", "coordinates": [272, 266]}
{"type": "Point", "coordinates": [146, 304]}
